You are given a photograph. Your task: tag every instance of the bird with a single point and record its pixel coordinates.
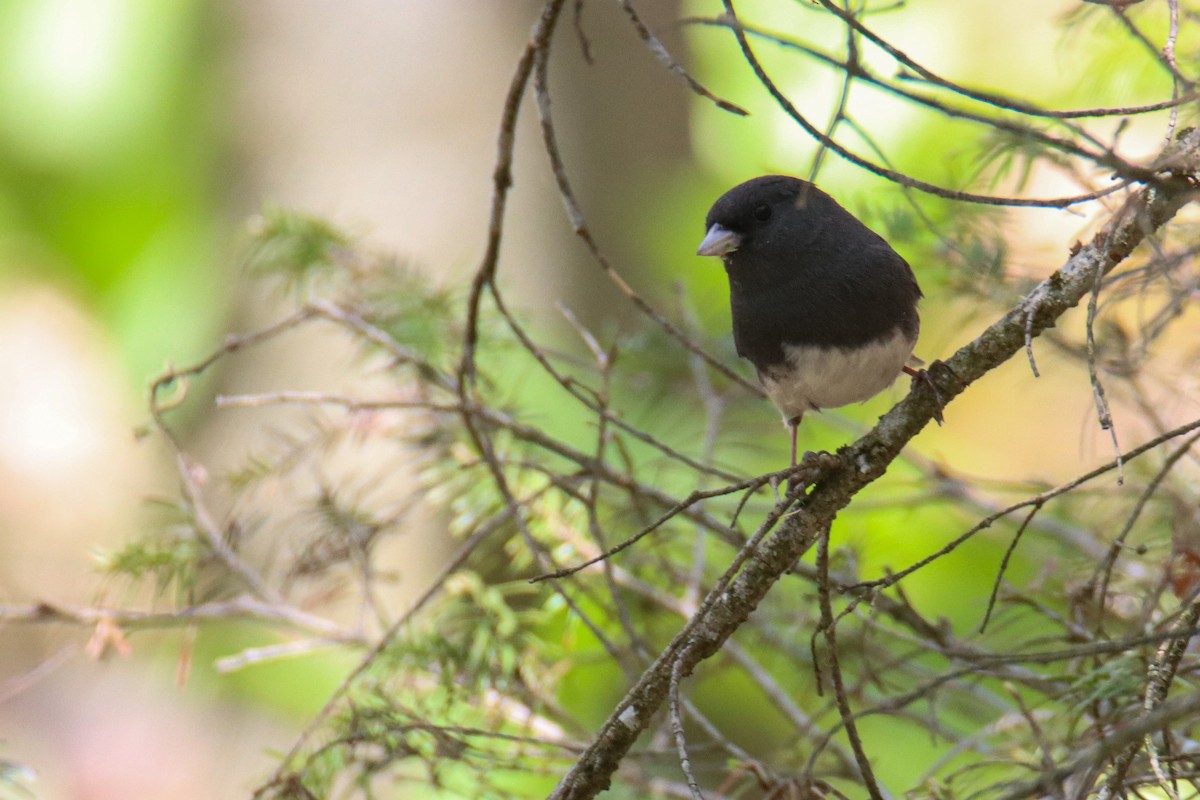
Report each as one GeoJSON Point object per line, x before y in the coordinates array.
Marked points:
{"type": "Point", "coordinates": [822, 306]}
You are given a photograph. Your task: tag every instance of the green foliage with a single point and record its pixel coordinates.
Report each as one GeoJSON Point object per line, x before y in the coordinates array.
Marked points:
{"type": "Point", "coordinates": [454, 702]}
{"type": "Point", "coordinates": [1116, 683]}
{"type": "Point", "coordinates": [479, 637]}
{"type": "Point", "coordinates": [1009, 159]}
{"type": "Point", "coordinates": [311, 258]}
{"type": "Point", "coordinates": [300, 250]}
{"type": "Point", "coordinates": [172, 553]}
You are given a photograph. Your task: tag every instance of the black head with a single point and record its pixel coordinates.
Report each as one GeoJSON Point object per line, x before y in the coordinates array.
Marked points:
{"type": "Point", "coordinates": [774, 213]}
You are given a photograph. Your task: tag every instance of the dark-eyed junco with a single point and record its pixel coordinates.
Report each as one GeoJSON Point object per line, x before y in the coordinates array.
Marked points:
{"type": "Point", "coordinates": [822, 306]}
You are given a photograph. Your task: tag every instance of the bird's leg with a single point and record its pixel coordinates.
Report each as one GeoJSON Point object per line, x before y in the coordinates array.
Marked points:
{"type": "Point", "coordinates": [814, 463]}
{"type": "Point", "coordinates": [923, 376]}
{"type": "Point", "coordinates": [793, 425]}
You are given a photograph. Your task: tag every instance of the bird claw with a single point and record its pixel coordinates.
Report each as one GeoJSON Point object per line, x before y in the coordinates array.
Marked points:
{"type": "Point", "coordinates": [922, 376]}
{"type": "Point", "coordinates": [812, 466]}
{"type": "Point", "coordinates": [821, 459]}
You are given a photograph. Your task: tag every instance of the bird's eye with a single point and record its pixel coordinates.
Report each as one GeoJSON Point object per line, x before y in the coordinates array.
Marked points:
{"type": "Point", "coordinates": [762, 212]}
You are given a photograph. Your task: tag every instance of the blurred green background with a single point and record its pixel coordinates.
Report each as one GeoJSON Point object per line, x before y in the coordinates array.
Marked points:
{"type": "Point", "coordinates": [137, 137]}
{"type": "Point", "coordinates": [115, 168]}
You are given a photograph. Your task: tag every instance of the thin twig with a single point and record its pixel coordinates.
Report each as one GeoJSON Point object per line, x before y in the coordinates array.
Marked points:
{"type": "Point", "coordinates": [829, 629]}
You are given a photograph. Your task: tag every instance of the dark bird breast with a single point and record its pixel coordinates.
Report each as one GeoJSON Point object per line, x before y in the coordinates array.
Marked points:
{"type": "Point", "coordinates": [833, 283]}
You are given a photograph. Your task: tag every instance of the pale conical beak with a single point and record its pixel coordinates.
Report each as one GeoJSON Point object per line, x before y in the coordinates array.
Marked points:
{"type": "Point", "coordinates": [719, 241]}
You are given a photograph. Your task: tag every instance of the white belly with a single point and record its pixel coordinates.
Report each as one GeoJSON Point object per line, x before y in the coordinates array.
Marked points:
{"type": "Point", "coordinates": [828, 377]}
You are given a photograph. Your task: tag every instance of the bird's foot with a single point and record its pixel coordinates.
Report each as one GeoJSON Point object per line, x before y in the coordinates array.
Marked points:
{"type": "Point", "coordinates": [812, 466]}
{"type": "Point", "coordinates": [922, 376]}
